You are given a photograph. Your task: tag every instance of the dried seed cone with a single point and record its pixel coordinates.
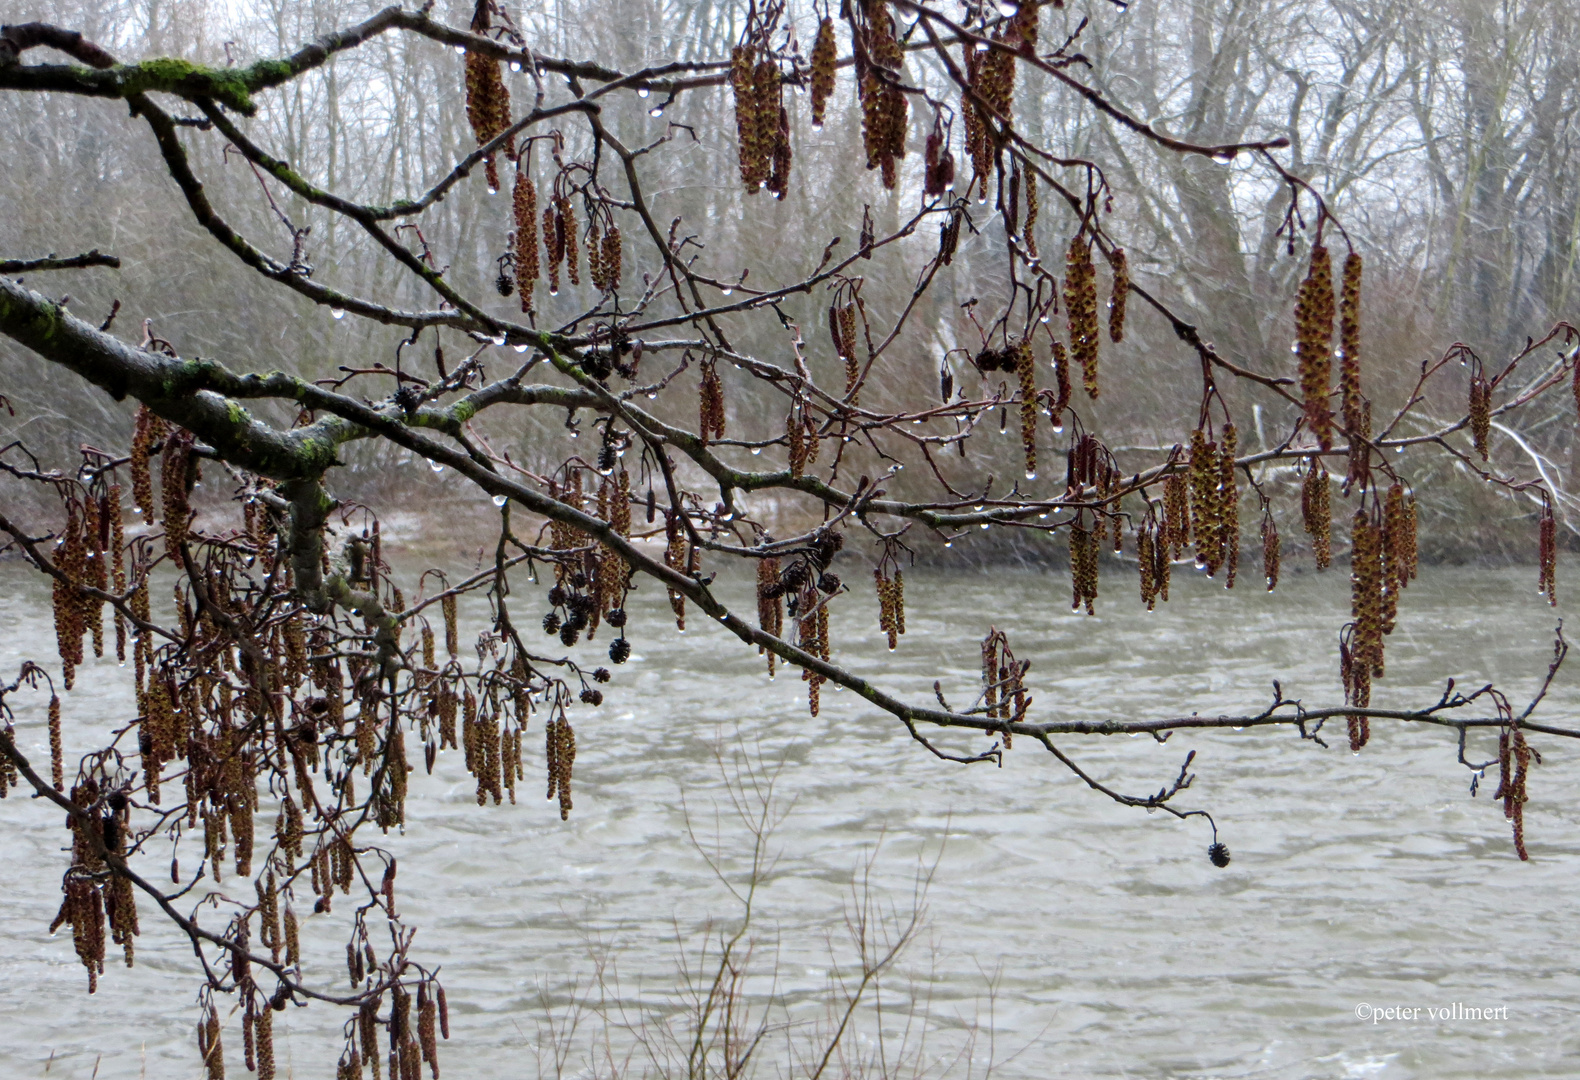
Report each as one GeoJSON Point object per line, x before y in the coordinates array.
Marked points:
{"type": "Point", "coordinates": [1313, 344]}
{"type": "Point", "coordinates": [1118, 297]}
{"type": "Point", "coordinates": [1315, 512]}
{"type": "Point", "coordinates": [1080, 304]}
{"type": "Point", "coordinates": [823, 63]}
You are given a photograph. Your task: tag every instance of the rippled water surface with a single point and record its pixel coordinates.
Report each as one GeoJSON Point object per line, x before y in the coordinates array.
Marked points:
{"type": "Point", "coordinates": [1067, 936]}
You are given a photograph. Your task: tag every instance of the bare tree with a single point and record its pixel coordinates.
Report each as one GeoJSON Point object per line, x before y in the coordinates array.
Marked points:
{"type": "Point", "coordinates": [690, 377]}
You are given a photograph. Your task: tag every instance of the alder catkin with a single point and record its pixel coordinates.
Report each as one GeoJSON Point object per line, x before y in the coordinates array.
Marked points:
{"type": "Point", "coordinates": [1120, 294]}
{"type": "Point", "coordinates": [524, 202]}
{"type": "Point", "coordinates": [1313, 344]}
{"type": "Point", "coordinates": [1080, 303]}
{"type": "Point", "coordinates": [1315, 512]}
{"type": "Point", "coordinates": [823, 63]}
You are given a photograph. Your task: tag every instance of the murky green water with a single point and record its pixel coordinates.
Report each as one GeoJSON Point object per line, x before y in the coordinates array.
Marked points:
{"type": "Point", "coordinates": [1067, 936]}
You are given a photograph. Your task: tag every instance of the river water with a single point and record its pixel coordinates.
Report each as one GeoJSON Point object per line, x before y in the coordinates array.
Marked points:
{"type": "Point", "coordinates": [1064, 936]}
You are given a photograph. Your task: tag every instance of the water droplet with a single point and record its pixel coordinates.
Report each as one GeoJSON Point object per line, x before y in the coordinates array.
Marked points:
{"type": "Point", "coordinates": [949, 543]}
{"type": "Point", "coordinates": [916, 421]}
{"type": "Point", "coordinates": [575, 434]}
{"type": "Point", "coordinates": [554, 292]}
{"type": "Point", "coordinates": [1398, 449]}
{"type": "Point", "coordinates": [435, 466]}
{"type": "Point", "coordinates": [1042, 517]}
{"type": "Point", "coordinates": [521, 348]}
{"type": "Point", "coordinates": [337, 313]}
{"type": "Point", "coordinates": [817, 126]}
{"type": "Point", "coordinates": [492, 190]}
{"type": "Point", "coordinates": [656, 111]}
{"type": "Point", "coordinates": [727, 291]}
{"type": "Point", "coordinates": [979, 509]}
{"type": "Point", "coordinates": [500, 500]}
{"type": "Point", "coordinates": [1006, 9]}
{"type": "Point", "coordinates": [461, 49]}
{"type": "Point", "coordinates": [652, 395]}
{"type": "Point", "coordinates": [982, 46]}
{"type": "Point", "coordinates": [1031, 474]}
{"type": "Point", "coordinates": [756, 450]}
{"type": "Point", "coordinates": [985, 524]}
{"type": "Point", "coordinates": [515, 65]}
{"type": "Point", "coordinates": [643, 92]}
{"type": "Point", "coordinates": [1058, 428]}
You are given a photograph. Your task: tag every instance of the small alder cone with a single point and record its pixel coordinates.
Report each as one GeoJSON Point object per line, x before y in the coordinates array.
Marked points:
{"type": "Point", "coordinates": [1313, 344]}
{"type": "Point", "coordinates": [1315, 512]}
{"type": "Point", "coordinates": [1080, 304]}
{"type": "Point", "coordinates": [1357, 415]}
{"type": "Point", "coordinates": [524, 203]}
{"type": "Point", "coordinates": [487, 101]}
{"type": "Point", "coordinates": [1119, 296]}
{"type": "Point", "coordinates": [1480, 411]}
{"type": "Point", "coordinates": [823, 63]}
{"type": "Point", "coordinates": [1026, 369]}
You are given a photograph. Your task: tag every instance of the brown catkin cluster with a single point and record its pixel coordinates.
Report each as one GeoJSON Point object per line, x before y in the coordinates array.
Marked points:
{"type": "Point", "coordinates": [1080, 305]}
{"type": "Point", "coordinates": [710, 404]}
{"type": "Point", "coordinates": [990, 81]}
{"type": "Point", "coordinates": [1547, 557]}
{"type": "Point", "coordinates": [210, 1048]}
{"type": "Point", "coordinates": [176, 467]}
{"type": "Point", "coordinates": [1152, 556]}
{"type": "Point", "coordinates": [1362, 660]}
{"type": "Point", "coordinates": [1399, 551]}
{"type": "Point", "coordinates": [70, 605]}
{"type": "Point", "coordinates": [823, 62]}
{"type": "Point", "coordinates": [524, 203]}
{"type": "Point", "coordinates": [148, 430]}
{"type": "Point", "coordinates": [1083, 565]}
{"type": "Point", "coordinates": [812, 636]}
{"type": "Point", "coordinates": [884, 109]}
{"type": "Point", "coordinates": [57, 768]}
{"type": "Point", "coordinates": [891, 603]}
{"type": "Point", "coordinates": [1174, 532]}
{"type": "Point", "coordinates": [1514, 762]}
{"type": "Point", "coordinates": [1061, 384]}
{"type": "Point", "coordinates": [1026, 370]}
{"type": "Point", "coordinates": [1003, 683]}
{"type": "Point", "coordinates": [676, 557]}
{"type": "Point", "coordinates": [1315, 511]}
{"type": "Point", "coordinates": [801, 436]}
{"type": "Point", "coordinates": [603, 257]}
{"type": "Point", "coordinates": [487, 100]}
{"type": "Point", "coordinates": [761, 122]}
{"type": "Point", "coordinates": [83, 910]}
{"type": "Point", "coordinates": [1214, 503]}
{"type": "Point", "coordinates": [565, 237]}
{"type": "Point", "coordinates": [1480, 411]}
{"type": "Point", "coordinates": [559, 742]}
{"type": "Point", "coordinates": [1119, 296]}
{"type": "Point", "coordinates": [1313, 344]}
{"type": "Point", "coordinates": [842, 332]}
{"type": "Point", "coordinates": [770, 604]}
{"type": "Point", "coordinates": [1033, 209]}
{"type": "Point", "coordinates": [1356, 414]}
{"type": "Point", "coordinates": [1270, 549]}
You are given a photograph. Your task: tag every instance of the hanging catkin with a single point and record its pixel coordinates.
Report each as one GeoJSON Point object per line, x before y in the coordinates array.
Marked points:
{"type": "Point", "coordinates": [1313, 344]}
